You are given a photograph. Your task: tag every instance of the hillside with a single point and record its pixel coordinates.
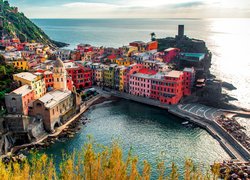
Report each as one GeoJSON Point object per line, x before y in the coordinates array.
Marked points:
{"type": "Point", "coordinates": [16, 24]}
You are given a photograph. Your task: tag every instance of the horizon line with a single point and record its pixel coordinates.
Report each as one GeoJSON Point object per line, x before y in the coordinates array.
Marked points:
{"type": "Point", "coordinates": [142, 18]}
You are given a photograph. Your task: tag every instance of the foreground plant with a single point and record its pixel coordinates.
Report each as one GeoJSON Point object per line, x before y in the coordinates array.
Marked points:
{"type": "Point", "coordinates": [107, 163]}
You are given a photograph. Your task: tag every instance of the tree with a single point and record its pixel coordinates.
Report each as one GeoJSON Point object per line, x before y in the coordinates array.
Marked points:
{"type": "Point", "coordinates": [153, 36]}
{"type": "Point", "coordinates": [2, 60]}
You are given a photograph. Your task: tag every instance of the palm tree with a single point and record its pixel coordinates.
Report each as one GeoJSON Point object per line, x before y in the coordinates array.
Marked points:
{"type": "Point", "coordinates": [153, 36]}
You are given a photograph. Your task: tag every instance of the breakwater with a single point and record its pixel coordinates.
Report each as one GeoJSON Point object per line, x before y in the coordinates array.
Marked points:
{"type": "Point", "coordinates": [229, 143]}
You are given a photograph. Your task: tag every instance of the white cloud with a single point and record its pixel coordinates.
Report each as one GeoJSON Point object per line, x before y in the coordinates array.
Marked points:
{"type": "Point", "coordinates": [89, 5]}
{"type": "Point", "coordinates": [143, 9]}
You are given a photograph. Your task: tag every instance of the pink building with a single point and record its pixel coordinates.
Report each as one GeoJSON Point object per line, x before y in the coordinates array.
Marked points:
{"type": "Point", "coordinates": [132, 69]}
{"type": "Point", "coordinates": [140, 83]}
{"type": "Point", "coordinates": [170, 54]}
{"type": "Point", "coordinates": [189, 78]}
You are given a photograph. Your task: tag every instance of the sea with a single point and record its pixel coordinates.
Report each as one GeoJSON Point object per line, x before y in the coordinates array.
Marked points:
{"type": "Point", "coordinates": [151, 132]}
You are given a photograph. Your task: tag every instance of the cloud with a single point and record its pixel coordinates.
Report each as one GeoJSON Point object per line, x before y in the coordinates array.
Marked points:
{"type": "Point", "coordinates": [188, 4]}
{"type": "Point", "coordinates": [89, 5]}
{"type": "Point", "coordinates": [133, 8]}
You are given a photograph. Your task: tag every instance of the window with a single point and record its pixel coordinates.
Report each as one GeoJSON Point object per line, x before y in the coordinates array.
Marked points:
{"type": "Point", "coordinates": [38, 104]}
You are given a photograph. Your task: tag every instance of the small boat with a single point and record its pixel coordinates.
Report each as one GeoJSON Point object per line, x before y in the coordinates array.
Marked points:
{"type": "Point", "coordinates": [185, 123]}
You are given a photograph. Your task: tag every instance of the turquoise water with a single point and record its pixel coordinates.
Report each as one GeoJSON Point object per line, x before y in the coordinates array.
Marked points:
{"type": "Point", "coordinates": [151, 132]}
{"type": "Point", "coordinates": [226, 38]}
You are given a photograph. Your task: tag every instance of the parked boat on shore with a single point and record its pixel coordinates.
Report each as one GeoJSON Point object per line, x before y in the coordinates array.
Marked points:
{"type": "Point", "coordinates": [185, 123]}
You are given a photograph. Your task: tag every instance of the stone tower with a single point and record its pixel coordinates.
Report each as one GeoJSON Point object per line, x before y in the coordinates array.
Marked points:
{"type": "Point", "coordinates": [180, 31]}
{"type": "Point", "coordinates": [60, 76]}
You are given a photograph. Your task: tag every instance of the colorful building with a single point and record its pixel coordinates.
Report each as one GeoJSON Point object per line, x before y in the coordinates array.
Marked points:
{"type": "Point", "coordinates": [17, 102]}
{"type": "Point", "coordinates": [63, 54]}
{"type": "Point", "coordinates": [59, 76]}
{"type": "Point", "coordinates": [36, 82]}
{"type": "Point", "coordinates": [128, 50]}
{"type": "Point", "coordinates": [170, 54]}
{"type": "Point", "coordinates": [98, 76]}
{"type": "Point", "coordinates": [57, 106]}
{"type": "Point", "coordinates": [53, 108]}
{"type": "Point", "coordinates": [109, 75]}
{"type": "Point", "coordinates": [122, 77]}
{"type": "Point", "coordinates": [153, 45]}
{"type": "Point", "coordinates": [168, 87]}
{"type": "Point", "coordinates": [140, 45]}
{"type": "Point", "coordinates": [49, 80]}
{"type": "Point", "coordinates": [189, 79]}
{"type": "Point", "coordinates": [140, 85]}
{"type": "Point", "coordinates": [132, 69]}
{"type": "Point", "coordinates": [123, 62]}
{"type": "Point", "coordinates": [80, 75]}
{"type": "Point", "coordinates": [21, 64]}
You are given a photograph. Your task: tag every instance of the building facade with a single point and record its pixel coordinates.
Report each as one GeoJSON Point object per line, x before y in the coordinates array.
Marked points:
{"type": "Point", "coordinates": [36, 82]}
{"type": "Point", "coordinates": [17, 102]}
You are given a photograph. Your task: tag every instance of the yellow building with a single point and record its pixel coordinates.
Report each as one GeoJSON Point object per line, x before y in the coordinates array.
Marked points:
{"type": "Point", "coordinates": [87, 56]}
{"type": "Point", "coordinates": [123, 62]}
{"type": "Point", "coordinates": [122, 77]}
{"type": "Point", "coordinates": [36, 82]}
{"type": "Point", "coordinates": [21, 64]}
{"type": "Point", "coordinates": [98, 76]}
{"type": "Point", "coordinates": [128, 50]}
{"type": "Point", "coordinates": [109, 75]}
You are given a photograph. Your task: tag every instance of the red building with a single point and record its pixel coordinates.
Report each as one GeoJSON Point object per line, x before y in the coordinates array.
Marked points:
{"type": "Point", "coordinates": [189, 78]}
{"type": "Point", "coordinates": [167, 88]}
{"type": "Point", "coordinates": [80, 75]}
{"type": "Point", "coordinates": [170, 54]}
{"type": "Point", "coordinates": [49, 80]}
{"type": "Point", "coordinates": [84, 48]}
{"type": "Point", "coordinates": [20, 46]}
{"type": "Point", "coordinates": [15, 40]}
{"type": "Point", "coordinates": [153, 45]}
{"type": "Point", "coordinates": [76, 55]}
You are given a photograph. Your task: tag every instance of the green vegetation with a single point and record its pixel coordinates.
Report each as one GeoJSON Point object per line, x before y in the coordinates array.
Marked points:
{"type": "Point", "coordinates": [185, 44]}
{"type": "Point", "coordinates": [6, 79]}
{"type": "Point", "coordinates": [108, 163]}
{"type": "Point", "coordinates": [18, 25]}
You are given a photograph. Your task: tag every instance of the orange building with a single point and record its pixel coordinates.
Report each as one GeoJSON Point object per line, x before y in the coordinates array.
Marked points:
{"type": "Point", "coordinates": [153, 45]}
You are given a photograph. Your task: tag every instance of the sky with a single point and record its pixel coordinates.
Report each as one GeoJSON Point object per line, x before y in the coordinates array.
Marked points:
{"type": "Point", "coordinates": [134, 8]}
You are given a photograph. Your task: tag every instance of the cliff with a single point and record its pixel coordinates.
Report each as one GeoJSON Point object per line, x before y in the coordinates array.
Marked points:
{"type": "Point", "coordinates": [16, 24]}
{"type": "Point", "coordinates": [185, 43]}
